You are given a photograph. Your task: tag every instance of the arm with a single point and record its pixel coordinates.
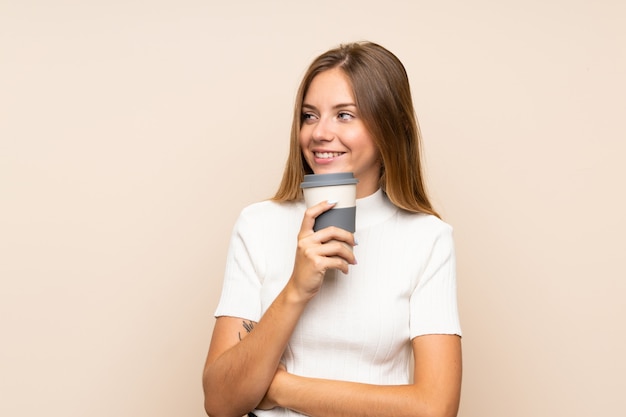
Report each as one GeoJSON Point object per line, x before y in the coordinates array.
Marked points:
{"type": "Point", "coordinates": [435, 392]}
{"type": "Point", "coordinates": [238, 371]}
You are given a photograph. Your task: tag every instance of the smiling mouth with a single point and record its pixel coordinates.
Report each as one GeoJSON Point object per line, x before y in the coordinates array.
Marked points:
{"type": "Point", "coordinates": [327, 155]}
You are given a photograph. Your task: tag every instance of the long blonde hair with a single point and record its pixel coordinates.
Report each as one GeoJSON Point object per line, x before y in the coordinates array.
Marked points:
{"type": "Point", "coordinates": [383, 97]}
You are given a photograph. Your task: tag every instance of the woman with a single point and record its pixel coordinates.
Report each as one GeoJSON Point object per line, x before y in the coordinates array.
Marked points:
{"type": "Point", "coordinates": [302, 327]}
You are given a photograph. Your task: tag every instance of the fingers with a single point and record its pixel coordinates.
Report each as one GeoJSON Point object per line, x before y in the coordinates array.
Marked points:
{"type": "Point", "coordinates": [330, 241]}
{"type": "Point", "coordinates": [333, 255]}
{"type": "Point", "coordinates": [311, 214]}
{"type": "Point", "coordinates": [329, 248]}
{"type": "Point", "coordinates": [317, 252]}
{"type": "Point", "coordinates": [336, 248]}
{"type": "Point", "coordinates": [328, 233]}
{"type": "Point", "coordinates": [308, 238]}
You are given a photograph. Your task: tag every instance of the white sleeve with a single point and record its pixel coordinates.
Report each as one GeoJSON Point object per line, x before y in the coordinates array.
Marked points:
{"type": "Point", "coordinates": [434, 307]}
{"type": "Point", "coordinates": [242, 285]}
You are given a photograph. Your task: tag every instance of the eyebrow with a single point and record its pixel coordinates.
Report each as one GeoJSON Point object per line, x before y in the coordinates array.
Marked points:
{"type": "Point", "coordinates": [335, 107]}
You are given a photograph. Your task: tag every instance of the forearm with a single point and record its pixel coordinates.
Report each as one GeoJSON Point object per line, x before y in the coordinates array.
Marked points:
{"type": "Point", "coordinates": [238, 373]}
{"type": "Point", "coordinates": [236, 381]}
{"type": "Point", "coordinates": [326, 398]}
{"type": "Point", "coordinates": [435, 393]}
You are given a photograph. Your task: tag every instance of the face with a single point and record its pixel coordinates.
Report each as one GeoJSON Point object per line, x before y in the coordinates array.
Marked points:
{"type": "Point", "coordinates": [333, 137]}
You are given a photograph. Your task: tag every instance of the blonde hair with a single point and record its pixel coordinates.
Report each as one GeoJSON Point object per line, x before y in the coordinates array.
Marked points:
{"type": "Point", "coordinates": [383, 97]}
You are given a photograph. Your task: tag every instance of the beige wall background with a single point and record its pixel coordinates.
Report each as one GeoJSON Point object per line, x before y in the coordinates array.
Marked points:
{"type": "Point", "coordinates": [133, 132]}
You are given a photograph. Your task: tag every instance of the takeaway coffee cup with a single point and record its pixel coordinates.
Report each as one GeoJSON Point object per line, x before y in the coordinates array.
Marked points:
{"type": "Point", "coordinates": [339, 187]}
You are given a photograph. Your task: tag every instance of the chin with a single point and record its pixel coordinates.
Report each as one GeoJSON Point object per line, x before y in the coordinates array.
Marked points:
{"type": "Point", "coordinates": [330, 170]}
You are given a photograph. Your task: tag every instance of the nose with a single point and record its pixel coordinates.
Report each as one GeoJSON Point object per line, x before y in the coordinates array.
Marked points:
{"type": "Point", "coordinates": [323, 130]}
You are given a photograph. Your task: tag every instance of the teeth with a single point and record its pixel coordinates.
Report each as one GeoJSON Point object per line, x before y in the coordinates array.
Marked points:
{"type": "Point", "coordinates": [327, 155]}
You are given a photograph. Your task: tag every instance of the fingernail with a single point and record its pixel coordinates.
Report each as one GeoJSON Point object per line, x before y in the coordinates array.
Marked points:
{"type": "Point", "coordinates": [356, 242]}
{"type": "Point", "coordinates": [332, 202]}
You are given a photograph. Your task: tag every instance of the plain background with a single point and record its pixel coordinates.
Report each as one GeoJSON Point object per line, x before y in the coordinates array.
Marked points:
{"type": "Point", "coordinates": [133, 132]}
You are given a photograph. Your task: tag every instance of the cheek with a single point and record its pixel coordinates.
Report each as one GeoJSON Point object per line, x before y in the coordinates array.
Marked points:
{"type": "Point", "coordinates": [374, 155]}
{"type": "Point", "coordinates": [368, 146]}
{"type": "Point", "coordinates": [304, 144]}
{"type": "Point", "coordinates": [302, 138]}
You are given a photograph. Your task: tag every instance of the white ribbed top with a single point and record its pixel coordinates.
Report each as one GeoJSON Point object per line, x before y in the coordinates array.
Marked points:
{"type": "Point", "coordinates": [359, 326]}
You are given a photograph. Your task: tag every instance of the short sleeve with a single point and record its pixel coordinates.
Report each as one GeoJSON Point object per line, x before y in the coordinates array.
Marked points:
{"type": "Point", "coordinates": [242, 285]}
{"type": "Point", "coordinates": [433, 303]}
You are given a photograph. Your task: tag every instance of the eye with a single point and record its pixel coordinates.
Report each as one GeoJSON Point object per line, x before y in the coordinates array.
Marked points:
{"type": "Point", "coordinates": [307, 116]}
{"type": "Point", "coordinates": [345, 116]}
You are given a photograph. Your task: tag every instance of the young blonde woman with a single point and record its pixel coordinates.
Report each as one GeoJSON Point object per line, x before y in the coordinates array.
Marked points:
{"type": "Point", "coordinates": [314, 323]}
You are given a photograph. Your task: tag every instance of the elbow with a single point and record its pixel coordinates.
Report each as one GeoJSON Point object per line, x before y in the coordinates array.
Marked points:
{"type": "Point", "coordinates": [444, 410]}
{"type": "Point", "coordinates": [211, 413]}
{"type": "Point", "coordinates": [215, 406]}
{"type": "Point", "coordinates": [228, 399]}
{"type": "Point", "coordinates": [437, 407]}
{"type": "Point", "coordinates": [212, 405]}
{"type": "Point", "coordinates": [210, 408]}
{"type": "Point", "coordinates": [449, 412]}
{"type": "Point", "coordinates": [215, 411]}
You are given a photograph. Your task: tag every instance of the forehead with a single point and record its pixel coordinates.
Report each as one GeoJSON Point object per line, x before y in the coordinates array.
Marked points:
{"type": "Point", "coordinates": [332, 84]}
